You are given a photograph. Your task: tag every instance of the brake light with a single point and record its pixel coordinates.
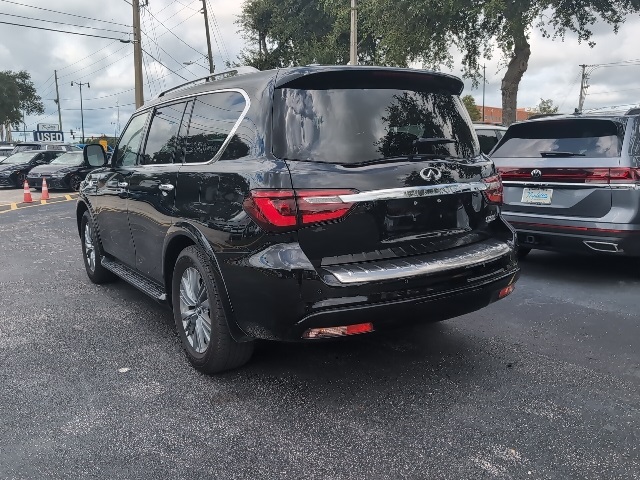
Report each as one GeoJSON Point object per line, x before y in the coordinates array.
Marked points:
{"type": "Point", "coordinates": [601, 176]}
{"type": "Point", "coordinates": [624, 175]}
{"type": "Point", "coordinates": [494, 190]}
{"type": "Point", "coordinates": [277, 210]}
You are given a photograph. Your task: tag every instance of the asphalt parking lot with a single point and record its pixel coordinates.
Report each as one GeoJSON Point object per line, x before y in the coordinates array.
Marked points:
{"type": "Point", "coordinates": [543, 385]}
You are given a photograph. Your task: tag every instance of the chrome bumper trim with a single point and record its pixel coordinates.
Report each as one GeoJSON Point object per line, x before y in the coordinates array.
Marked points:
{"type": "Point", "coordinates": [397, 193]}
{"type": "Point", "coordinates": [463, 257]}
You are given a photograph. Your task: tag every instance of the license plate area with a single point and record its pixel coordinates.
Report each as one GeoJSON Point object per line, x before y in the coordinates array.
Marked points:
{"type": "Point", "coordinates": [538, 196]}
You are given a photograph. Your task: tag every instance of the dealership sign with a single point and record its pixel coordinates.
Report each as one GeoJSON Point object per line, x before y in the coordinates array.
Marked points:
{"type": "Point", "coordinates": [48, 136]}
{"type": "Point", "coordinates": [48, 127]}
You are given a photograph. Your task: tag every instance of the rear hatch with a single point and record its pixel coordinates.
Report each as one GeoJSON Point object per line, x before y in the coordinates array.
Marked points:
{"type": "Point", "coordinates": [384, 163]}
{"type": "Point", "coordinates": [562, 167]}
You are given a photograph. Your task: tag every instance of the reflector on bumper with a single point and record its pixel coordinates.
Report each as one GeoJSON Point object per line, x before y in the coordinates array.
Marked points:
{"type": "Point", "coordinates": [330, 332]}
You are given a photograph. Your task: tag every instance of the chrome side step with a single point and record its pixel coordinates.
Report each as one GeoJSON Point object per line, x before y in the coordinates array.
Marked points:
{"type": "Point", "coordinates": [400, 268]}
{"type": "Point", "coordinates": [132, 277]}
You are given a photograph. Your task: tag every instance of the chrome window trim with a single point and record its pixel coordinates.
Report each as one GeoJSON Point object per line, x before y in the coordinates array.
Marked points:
{"type": "Point", "coordinates": [397, 193]}
{"type": "Point", "coordinates": [234, 129]}
{"type": "Point", "coordinates": [631, 186]}
{"type": "Point", "coordinates": [463, 257]}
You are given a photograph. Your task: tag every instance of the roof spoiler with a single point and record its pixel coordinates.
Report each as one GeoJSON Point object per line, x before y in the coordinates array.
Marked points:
{"type": "Point", "coordinates": [212, 77]}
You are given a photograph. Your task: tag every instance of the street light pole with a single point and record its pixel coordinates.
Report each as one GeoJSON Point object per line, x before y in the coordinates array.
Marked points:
{"type": "Point", "coordinates": [484, 84]}
{"type": "Point", "coordinates": [81, 108]}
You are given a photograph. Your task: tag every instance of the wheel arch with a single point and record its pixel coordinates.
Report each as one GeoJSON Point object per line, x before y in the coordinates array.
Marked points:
{"type": "Point", "coordinates": [180, 236]}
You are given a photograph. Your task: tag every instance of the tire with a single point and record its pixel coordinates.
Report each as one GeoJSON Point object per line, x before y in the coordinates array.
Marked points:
{"type": "Point", "coordinates": [92, 252]}
{"type": "Point", "coordinates": [195, 297]}
{"type": "Point", "coordinates": [20, 178]}
{"type": "Point", "coordinates": [523, 252]}
{"type": "Point", "coordinates": [74, 182]}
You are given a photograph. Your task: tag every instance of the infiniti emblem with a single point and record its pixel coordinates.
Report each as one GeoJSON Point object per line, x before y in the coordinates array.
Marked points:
{"type": "Point", "coordinates": [536, 173]}
{"type": "Point", "coordinates": [431, 174]}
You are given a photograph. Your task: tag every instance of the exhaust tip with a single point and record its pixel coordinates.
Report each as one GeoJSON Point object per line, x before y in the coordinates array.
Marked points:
{"type": "Point", "coordinates": [608, 247]}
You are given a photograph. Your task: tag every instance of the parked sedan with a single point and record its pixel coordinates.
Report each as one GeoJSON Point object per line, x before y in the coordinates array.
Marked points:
{"type": "Point", "coordinates": [14, 169]}
{"type": "Point", "coordinates": [65, 172]}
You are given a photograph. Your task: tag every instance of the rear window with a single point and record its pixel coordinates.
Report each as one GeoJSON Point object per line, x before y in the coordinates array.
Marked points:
{"type": "Point", "coordinates": [563, 138]}
{"type": "Point", "coordinates": [347, 126]}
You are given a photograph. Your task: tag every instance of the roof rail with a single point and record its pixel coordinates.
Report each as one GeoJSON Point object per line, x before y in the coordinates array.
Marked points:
{"type": "Point", "coordinates": [543, 115]}
{"type": "Point", "coordinates": [634, 111]}
{"type": "Point", "coordinates": [212, 77]}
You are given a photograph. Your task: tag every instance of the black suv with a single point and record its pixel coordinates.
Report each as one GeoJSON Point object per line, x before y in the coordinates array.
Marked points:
{"type": "Point", "coordinates": [300, 204]}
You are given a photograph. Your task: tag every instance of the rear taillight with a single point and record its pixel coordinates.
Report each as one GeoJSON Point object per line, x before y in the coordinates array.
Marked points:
{"type": "Point", "coordinates": [493, 193]}
{"type": "Point", "coordinates": [285, 209]}
{"type": "Point", "coordinates": [602, 176]}
{"type": "Point", "coordinates": [624, 175]}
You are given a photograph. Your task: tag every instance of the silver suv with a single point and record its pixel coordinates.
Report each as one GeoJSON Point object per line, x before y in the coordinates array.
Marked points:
{"type": "Point", "coordinates": [572, 183]}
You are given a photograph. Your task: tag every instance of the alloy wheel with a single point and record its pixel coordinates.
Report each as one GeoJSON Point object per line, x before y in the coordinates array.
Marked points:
{"type": "Point", "coordinates": [194, 310]}
{"type": "Point", "coordinates": [89, 249]}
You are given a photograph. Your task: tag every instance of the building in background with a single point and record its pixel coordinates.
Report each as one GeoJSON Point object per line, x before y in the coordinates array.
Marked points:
{"type": "Point", "coordinates": [494, 114]}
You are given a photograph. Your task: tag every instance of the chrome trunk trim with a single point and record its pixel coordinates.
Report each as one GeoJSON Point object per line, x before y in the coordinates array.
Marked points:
{"type": "Point", "coordinates": [398, 193]}
{"type": "Point", "coordinates": [394, 269]}
{"type": "Point", "coordinates": [625, 186]}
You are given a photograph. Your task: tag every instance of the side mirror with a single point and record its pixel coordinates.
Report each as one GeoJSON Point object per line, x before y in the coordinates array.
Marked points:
{"type": "Point", "coordinates": [94, 155]}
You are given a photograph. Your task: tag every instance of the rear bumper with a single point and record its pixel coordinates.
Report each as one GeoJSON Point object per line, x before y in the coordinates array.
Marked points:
{"type": "Point", "coordinates": [281, 305]}
{"type": "Point", "coordinates": [576, 236]}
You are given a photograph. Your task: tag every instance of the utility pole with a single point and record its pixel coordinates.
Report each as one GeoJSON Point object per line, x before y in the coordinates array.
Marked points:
{"type": "Point", "coordinates": [354, 33]}
{"type": "Point", "coordinates": [81, 108]}
{"type": "Point", "coordinates": [583, 87]}
{"type": "Point", "coordinates": [55, 74]}
{"type": "Point", "coordinates": [206, 29]}
{"type": "Point", "coordinates": [137, 54]}
{"type": "Point", "coordinates": [484, 83]}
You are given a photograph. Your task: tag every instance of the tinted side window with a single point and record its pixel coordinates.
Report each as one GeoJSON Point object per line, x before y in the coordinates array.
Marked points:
{"type": "Point", "coordinates": [212, 120]}
{"type": "Point", "coordinates": [163, 141]}
{"type": "Point", "coordinates": [127, 149]}
{"type": "Point", "coordinates": [488, 140]}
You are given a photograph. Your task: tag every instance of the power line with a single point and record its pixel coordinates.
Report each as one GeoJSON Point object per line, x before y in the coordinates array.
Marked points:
{"type": "Point", "coordinates": [62, 31]}
{"type": "Point", "coordinates": [97, 108]}
{"type": "Point", "coordinates": [154, 32]}
{"type": "Point", "coordinates": [65, 13]}
{"type": "Point", "coordinates": [63, 23]}
{"type": "Point", "coordinates": [88, 56]}
{"type": "Point", "coordinates": [164, 65]}
{"type": "Point", "coordinates": [171, 32]}
{"type": "Point", "coordinates": [92, 64]}
{"type": "Point", "coordinates": [219, 32]}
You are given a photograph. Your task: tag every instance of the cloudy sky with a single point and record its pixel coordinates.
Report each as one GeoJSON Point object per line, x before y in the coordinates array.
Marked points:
{"type": "Point", "coordinates": [174, 34]}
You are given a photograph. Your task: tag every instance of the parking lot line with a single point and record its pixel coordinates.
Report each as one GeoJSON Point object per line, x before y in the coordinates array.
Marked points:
{"type": "Point", "coordinates": [19, 206]}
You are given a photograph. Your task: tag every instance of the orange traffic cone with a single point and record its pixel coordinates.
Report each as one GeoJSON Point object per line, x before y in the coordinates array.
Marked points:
{"type": "Point", "coordinates": [27, 192]}
{"type": "Point", "coordinates": [45, 190]}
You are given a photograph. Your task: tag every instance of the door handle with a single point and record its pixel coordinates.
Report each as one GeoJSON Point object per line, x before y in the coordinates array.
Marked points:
{"type": "Point", "coordinates": [123, 184]}
{"type": "Point", "coordinates": [166, 187]}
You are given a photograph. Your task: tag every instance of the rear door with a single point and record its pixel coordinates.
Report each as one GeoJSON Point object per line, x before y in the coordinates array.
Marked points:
{"type": "Point", "coordinates": [151, 187]}
{"type": "Point", "coordinates": [561, 167]}
{"type": "Point", "coordinates": [396, 152]}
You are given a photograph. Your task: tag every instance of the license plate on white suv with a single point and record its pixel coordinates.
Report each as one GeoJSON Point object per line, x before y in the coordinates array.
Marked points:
{"type": "Point", "coordinates": [541, 196]}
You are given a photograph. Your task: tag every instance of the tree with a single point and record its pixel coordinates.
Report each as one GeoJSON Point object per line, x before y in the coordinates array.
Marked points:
{"type": "Point", "coordinates": [424, 30]}
{"type": "Point", "coordinates": [545, 107]}
{"type": "Point", "coordinates": [283, 33]}
{"type": "Point", "coordinates": [17, 95]}
{"type": "Point", "coordinates": [472, 108]}
{"type": "Point", "coordinates": [402, 32]}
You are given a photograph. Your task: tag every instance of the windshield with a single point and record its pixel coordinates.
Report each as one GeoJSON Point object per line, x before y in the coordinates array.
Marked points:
{"type": "Point", "coordinates": [71, 158]}
{"type": "Point", "coordinates": [595, 138]}
{"type": "Point", "coordinates": [22, 148]}
{"type": "Point", "coordinates": [23, 157]}
{"type": "Point", "coordinates": [348, 126]}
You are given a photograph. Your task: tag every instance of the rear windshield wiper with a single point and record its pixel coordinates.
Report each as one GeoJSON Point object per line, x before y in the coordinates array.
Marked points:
{"type": "Point", "coordinates": [561, 154]}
